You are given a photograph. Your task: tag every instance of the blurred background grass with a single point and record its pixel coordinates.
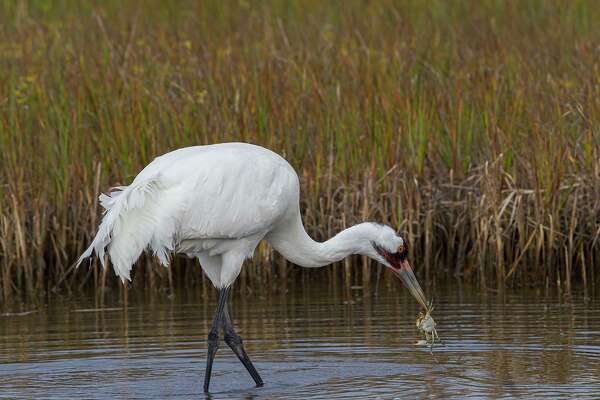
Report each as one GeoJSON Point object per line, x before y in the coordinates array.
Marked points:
{"type": "Point", "coordinates": [471, 126]}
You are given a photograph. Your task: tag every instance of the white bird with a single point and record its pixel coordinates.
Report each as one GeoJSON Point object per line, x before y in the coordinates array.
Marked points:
{"type": "Point", "coordinates": [216, 203]}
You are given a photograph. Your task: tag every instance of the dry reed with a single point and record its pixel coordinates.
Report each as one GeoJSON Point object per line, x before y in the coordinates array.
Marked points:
{"type": "Point", "coordinates": [471, 126]}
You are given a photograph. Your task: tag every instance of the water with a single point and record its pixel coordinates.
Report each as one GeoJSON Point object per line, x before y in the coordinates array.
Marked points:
{"type": "Point", "coordinates": [312, 343]}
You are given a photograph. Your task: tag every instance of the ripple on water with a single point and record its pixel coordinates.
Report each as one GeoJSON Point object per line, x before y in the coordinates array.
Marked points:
{"type": "Point", "coordinates": [306, 345]}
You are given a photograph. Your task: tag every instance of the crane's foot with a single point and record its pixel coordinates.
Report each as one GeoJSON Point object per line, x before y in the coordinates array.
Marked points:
{"type": "Point", "coordinates": [213, 346]}
{"type": "Point", "coordinates": [213, 336]}
{"type": "Point", "coordinates": [234, 341]}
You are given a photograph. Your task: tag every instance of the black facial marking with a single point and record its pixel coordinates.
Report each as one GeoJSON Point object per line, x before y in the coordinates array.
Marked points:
{"type": "Point", "coordinates": [392, 258]}
{"type": "Point", "coordinates": [404, 254]}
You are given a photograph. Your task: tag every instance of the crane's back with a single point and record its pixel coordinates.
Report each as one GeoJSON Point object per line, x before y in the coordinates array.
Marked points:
{"type": "Point", "coordinates": [227, 190]}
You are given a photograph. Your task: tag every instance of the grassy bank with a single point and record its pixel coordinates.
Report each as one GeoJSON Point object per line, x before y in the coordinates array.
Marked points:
{"type": "Point", "coordinates": [471, 126]}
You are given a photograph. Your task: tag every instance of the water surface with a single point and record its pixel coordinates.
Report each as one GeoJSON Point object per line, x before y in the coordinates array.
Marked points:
{"type": "Point", "coordinates": [316, 342]}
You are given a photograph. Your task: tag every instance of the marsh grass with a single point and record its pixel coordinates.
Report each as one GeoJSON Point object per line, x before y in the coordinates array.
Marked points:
{"type": "Point", "coordinates": [471, 126]}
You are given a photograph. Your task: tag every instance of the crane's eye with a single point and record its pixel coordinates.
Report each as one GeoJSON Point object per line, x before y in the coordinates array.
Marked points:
{"type": "Point", "coordinates": [402, 251]}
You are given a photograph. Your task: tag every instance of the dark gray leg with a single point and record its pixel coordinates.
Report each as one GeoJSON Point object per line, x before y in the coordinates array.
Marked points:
{"type": "Point", "coordinates": [234, 341]}
{"type": "Point", "coordinates": [213, 335]}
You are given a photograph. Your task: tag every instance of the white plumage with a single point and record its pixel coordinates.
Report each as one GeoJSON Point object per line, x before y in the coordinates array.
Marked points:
{"type": "Point", "coordinates": [216, 203]}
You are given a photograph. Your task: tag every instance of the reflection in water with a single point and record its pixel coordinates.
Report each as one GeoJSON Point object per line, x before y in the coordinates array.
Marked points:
{"type": "Point", "coordinates": [313, 343]}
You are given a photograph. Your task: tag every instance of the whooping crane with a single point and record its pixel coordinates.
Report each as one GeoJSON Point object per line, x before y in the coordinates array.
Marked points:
{"type": "Point", "coordinates": [216, 203]}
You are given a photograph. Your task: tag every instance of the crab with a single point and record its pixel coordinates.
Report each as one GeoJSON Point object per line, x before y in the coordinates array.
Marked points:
{"type": "Point", "coordinates": [426, 325]}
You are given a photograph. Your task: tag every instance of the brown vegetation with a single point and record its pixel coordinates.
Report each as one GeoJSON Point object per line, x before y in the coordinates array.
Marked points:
{"type": "Point", "coordinates": [471, 126]}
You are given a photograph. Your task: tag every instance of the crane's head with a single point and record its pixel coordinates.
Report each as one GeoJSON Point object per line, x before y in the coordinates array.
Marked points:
{"type": "Point", "coordinates": [391, 250]}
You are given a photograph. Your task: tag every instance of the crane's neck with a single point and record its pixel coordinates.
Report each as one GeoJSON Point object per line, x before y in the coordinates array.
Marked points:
{"type": "Point", "coordinates": [292, 241]}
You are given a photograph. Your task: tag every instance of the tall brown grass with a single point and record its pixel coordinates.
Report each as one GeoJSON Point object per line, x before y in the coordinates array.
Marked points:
{"type": "Point", "coordinates": [471, 126]}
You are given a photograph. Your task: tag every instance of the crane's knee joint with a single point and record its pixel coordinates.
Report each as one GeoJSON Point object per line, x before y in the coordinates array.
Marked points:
{"type": "Point", "coordinates": [213, 339]}
{"type": "Point", "coordinates": [232, 339]}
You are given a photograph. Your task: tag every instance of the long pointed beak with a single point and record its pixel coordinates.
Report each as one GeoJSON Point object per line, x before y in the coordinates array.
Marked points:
{"type": "Point", "coordinates": [405, 273]}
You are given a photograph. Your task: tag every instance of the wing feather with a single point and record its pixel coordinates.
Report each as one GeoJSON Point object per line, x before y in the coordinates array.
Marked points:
{"type": "Point", "coordinates": [194, 197]}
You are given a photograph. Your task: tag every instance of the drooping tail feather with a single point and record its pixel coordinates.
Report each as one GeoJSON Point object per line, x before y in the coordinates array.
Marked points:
{"type": "Point", "coordinates": [128, 226]}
